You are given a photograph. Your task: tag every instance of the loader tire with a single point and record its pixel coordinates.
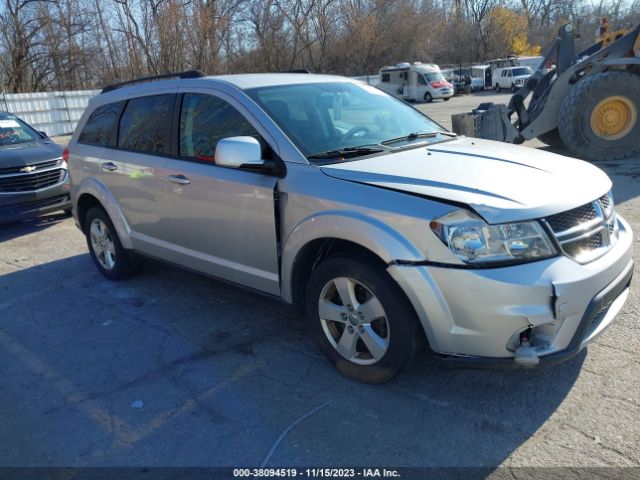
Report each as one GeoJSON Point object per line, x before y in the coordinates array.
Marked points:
{"type": "Point", "coordinates": [599, 117]}
{"type": "Point", "coordinates": [552, 138]}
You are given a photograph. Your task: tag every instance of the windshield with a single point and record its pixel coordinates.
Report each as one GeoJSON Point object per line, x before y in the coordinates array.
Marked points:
{"type": "Point", "coordinates": [321, 117]}
{"type": "Point", "coordinates": [522, 71]}
{"type": "Point", "coordinates": [434, 77]}
{"type": "Point", "coordinates": [14, 131]}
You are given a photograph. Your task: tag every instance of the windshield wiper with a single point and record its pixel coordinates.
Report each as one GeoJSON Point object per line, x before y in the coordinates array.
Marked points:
{"type": "Point", "coordinates": [347, 152]}
{"type": "Point", "coordinates": [415, 135]}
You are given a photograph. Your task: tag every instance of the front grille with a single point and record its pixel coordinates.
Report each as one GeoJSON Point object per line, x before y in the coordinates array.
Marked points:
{"type": "Point", "coordinates": [566, 220]}
{"type": "Point", "coordinates": [24, 207]}
{"type": "Point", "coordinates": [38, 167]}
{"type": "Point", "coordinates": [586, 232]}
{"type": "Point", "coordinates": [30, 181]}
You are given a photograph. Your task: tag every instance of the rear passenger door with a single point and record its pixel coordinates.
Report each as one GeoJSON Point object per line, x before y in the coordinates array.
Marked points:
{"type": "Point", "coordinates": [134, 170]}
{"type": "Point", "coordinates": [223, 218]}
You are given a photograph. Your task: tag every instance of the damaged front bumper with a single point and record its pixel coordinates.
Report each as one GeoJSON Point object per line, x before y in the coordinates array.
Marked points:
{"type": "Point", "coordinates": [478, 316]}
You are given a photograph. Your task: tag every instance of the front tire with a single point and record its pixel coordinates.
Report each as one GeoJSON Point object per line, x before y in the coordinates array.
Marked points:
{"type": "Point", "coordinates": [497, 88]}
{"type": "Point", "coordinates": [360, 319]}
{"type": "Point", "coordinates": [428, 98]}
{"type": "Point", "coordinates": [107, 253]}
{"type": "Point", "coordinates": [599, 117]}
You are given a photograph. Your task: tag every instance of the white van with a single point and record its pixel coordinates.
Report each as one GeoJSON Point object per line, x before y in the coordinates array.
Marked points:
{"type": "Point", "coordinates": [415, 81]}
{"type": "Point", "coordinates": [512, 77]}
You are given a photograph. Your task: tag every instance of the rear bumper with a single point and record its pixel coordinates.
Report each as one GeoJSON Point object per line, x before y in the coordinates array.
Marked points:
{"type": "Point", "coordinates": [476, 315]}
{"type": "Point", "coordinates": [20, 206]}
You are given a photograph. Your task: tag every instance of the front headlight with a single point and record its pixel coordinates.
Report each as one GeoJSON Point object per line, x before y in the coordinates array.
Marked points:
{"type": "Point", "coordinates": [476, 242]}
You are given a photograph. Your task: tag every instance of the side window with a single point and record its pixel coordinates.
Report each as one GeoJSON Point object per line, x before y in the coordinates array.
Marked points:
{"type": "Point", "coordinates": [205, 119]}
{"type": "Point", "coordinates": [145, 124]}
{"type": "Point", "coordinates": [385, 77]}
{"type": "Point", "coordinates": [101, 125]}
{"type": "Point", "coordinates": [421, 80]}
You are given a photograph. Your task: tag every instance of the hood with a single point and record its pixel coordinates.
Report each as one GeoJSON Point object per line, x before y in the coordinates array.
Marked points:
{"type": "Point", "coordinates": [500, 181]}
{"type": "Point", "coordinates": [28, 153]}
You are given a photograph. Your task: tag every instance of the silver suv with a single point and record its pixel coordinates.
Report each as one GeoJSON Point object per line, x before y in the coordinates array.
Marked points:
{"type": "Point", "coordinates": [366, 215]}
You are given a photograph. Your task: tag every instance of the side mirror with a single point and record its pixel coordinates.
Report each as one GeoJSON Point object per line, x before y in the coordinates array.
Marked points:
{"type": "Point", "coordinates": [237, 151]}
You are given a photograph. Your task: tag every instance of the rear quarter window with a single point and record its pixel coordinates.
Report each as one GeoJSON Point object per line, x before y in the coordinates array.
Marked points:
{"type": "Point", "coordinates": [101, 127]}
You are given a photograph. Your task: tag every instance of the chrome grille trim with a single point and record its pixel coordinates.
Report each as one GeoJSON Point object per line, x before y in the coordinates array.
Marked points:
{"type": "Point", "coordinates": [587, 232]}
{"type": "Point", "coordinates": [48, 164]}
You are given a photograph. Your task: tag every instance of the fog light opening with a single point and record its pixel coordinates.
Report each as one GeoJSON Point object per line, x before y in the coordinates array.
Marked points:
{"type": "Point", "coordinates": [526, 354]}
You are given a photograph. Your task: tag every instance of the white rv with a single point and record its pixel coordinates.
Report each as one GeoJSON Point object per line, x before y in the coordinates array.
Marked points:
{"type": "Point", "coordinates": [415, 81]}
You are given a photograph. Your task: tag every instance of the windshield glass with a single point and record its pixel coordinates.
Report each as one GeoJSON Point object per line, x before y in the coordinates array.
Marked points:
{"type": "Point", "coordinates": [434, 77]}
{"type": "Point", "coordinates": [522, 71]}
{"type": "Point", "coordinates": [14, 131]}
{"type": "Point", "coordinates": [321, 117]}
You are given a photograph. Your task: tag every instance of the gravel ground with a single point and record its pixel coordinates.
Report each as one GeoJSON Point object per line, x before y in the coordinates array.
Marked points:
{"type": "Point", "coordinates": [171, 368]}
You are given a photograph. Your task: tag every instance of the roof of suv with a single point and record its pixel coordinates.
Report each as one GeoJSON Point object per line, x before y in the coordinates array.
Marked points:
{"type": "Point", "coordinates": [241, 81]}
{"type": "Point", "coordinates": [252, 80]}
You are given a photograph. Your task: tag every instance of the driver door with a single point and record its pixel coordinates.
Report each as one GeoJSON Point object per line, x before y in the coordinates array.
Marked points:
{"type": "Point", "coordinates": [223, 218]}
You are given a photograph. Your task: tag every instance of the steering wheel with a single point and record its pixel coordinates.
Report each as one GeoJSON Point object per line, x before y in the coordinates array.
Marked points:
{"type": "Point", "coordinates": [354, 130]}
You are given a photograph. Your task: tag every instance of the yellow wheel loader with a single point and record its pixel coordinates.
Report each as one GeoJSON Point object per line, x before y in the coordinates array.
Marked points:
{"type": "Point", "coordinates": [587, 102]}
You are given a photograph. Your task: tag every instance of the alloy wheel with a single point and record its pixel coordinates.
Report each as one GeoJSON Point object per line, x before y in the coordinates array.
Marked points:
{"type": "Point", "coordinates": [354, 321]}
{"type": "Point", "coordinates": [102, 244]}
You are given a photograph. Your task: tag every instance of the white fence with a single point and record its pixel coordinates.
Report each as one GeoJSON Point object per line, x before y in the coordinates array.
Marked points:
{"type": "Point", "coordinates": [370, 79]}
{"type": "Point", "coordinates": [55, 113]}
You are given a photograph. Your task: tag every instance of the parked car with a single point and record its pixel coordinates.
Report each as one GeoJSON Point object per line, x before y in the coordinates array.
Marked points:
{"type": "Point", "coordinates": [415, 81]}
{"type": "Point", "coordinates": [511, 77]}
{"type": "Point", "coordinates": [359, 210]}
{"type": "Point", "coordinates": [33, 172]}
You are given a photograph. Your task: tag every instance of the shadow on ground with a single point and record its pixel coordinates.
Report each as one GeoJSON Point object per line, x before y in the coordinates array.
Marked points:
{"type": "Point", "coordinates": [171, 368]}
{"type": "Point", "coordinates": [32, 225]}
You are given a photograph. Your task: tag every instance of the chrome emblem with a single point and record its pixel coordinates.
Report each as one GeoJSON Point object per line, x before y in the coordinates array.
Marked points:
{"type": "Point", "coordinates": [28, 169]}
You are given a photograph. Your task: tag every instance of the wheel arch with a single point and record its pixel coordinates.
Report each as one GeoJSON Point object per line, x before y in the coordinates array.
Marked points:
{"type": "Point", "coordinates": [323, 235]}
{"type": "Point", "coordinates": [92, 192]}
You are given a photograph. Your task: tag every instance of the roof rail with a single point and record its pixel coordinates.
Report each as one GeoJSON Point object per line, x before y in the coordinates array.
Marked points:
{"type": "Point", "coordinates": [298, 70]}
{"type": "Point", "coordinates": [186, 74]}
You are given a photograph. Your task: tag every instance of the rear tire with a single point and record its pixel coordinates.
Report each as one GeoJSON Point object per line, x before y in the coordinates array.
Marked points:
{"type": "Point", "coordinates": [599, 117]}
{"type": "Point", "coordinates": [497, 88]}
{"type": "Point", "coordinates": [107, 253]}
{"type": "Point", "coordinates": [552, 138]}
{"type": "Point", "coordinates": [377, 314]}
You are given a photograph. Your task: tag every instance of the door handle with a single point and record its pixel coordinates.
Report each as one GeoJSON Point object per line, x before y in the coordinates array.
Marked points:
{"type": "Point", "coordinates": [109, 166]}
{"type": "Point", "coordinates": [179, 179]}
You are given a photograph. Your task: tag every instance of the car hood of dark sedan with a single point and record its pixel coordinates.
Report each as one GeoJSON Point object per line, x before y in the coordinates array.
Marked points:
{"type": "Point", "coordinates": [501, 182]}
{"type": "Point", "coordinates": [30, 153]}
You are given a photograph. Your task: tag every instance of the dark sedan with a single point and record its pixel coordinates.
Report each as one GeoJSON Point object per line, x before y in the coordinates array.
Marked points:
{"type": "Point", "coordinates": [33, 172]}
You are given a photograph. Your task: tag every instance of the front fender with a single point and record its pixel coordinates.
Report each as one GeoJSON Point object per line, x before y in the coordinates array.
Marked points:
{"type": "Point", "coordinates": [370, 233]}
{"type": "Point", "coordinates": [92, 186]}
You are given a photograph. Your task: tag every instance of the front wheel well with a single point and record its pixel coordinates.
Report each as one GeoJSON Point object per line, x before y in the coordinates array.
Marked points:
{"type": "Point", "coordinates": [313, 253]}
{"type": "Point", "coordinates": [85, 203]}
